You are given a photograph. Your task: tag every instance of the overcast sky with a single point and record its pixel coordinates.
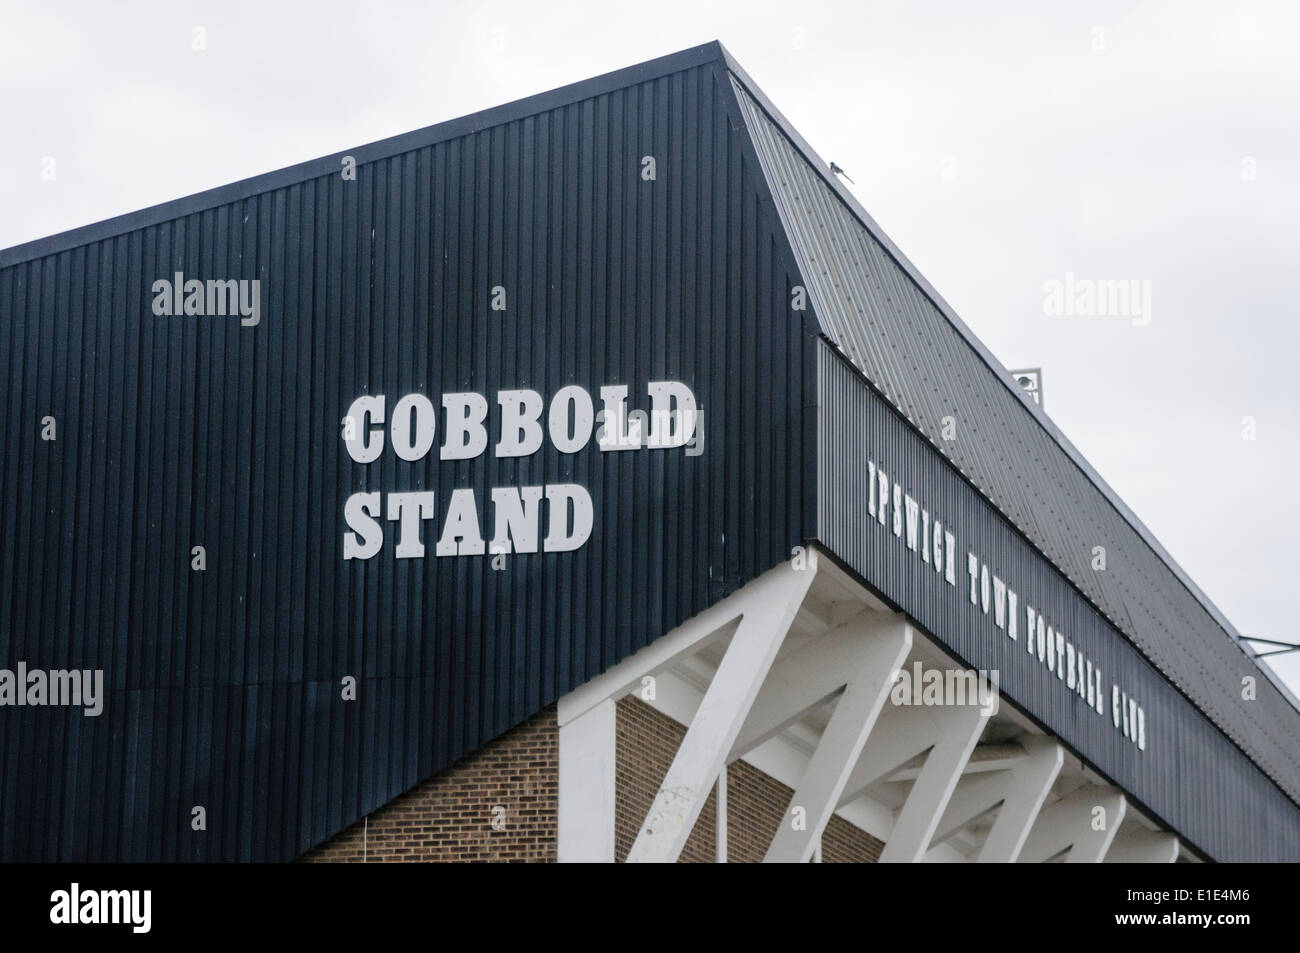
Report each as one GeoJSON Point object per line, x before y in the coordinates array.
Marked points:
{"type": "Point", "coordinates": [1001, 145]}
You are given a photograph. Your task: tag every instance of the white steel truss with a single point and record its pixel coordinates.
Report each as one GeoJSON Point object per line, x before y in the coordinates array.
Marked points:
{"type": "Point", "coordinates": [794, 672]}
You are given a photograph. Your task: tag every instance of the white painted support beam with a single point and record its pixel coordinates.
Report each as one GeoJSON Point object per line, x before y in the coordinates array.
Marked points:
{"type": "Point", "coordinates": [1031, 781]}
{"type": "Point", "coordinates": [899, 735]}
{"type": "Point", "coordinates": [990, 757]}
{"type": "Point", "coordinates": [1083, 822]}
{"type": "Point", "coordinates": [1017, 793]}
{"type": "Point", "coordinates": [974, 796]}
{"type": "Point", "coordinates": [586, 796]}
{"type": "Point", "coordinates": [1143, 847]}
{"type": "Point", "coordinates": [802, 679]}
{"type": "Point", "coordinates": [959, 730]}
{"type": "Point", "coordinates": [768, 609]}
{"type": "Point", "coordinates": [882, 644]}
{"type": "Point", "coordinates": [714, 623]}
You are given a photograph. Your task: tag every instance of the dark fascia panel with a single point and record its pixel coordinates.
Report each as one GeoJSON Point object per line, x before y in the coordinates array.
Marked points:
{"type": "Point", "coordinates": [711, 52]}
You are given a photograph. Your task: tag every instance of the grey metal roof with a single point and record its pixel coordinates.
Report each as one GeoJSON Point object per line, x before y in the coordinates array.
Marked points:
{"type": "Point", "coordinates": [872, 302]}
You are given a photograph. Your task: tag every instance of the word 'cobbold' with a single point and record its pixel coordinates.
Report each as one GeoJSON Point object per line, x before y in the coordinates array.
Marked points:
{"type": "Point", "coordinates": [410, 426]}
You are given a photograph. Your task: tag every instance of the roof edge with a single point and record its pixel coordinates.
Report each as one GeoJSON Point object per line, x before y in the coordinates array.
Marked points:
{"type": "Point", "coordinates": [381, 149]}
{"type": "Point", "coordinates": [1002, 373]}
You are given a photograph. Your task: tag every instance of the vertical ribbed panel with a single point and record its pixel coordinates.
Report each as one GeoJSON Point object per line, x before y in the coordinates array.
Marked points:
{"type": "Point", "coordinates": [888, 328]}
{"type": "Point", "coordinates": [1190, 774]}
{"type": "Point", "coordinates": [182, 431]}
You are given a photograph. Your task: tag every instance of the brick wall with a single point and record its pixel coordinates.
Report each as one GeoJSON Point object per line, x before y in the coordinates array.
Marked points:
{"type": "Point", "coordinates": [449, 816]}
{"type": "Point", "coordinates": [646, 743]}
{"type": "Point", "coordinates": [756, 803]}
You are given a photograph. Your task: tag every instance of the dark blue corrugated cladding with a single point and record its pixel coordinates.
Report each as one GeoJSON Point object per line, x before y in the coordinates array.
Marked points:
{"type": "Point", "coordinates": [1190, 775]}
{"type": "Point", "coordinates": [175, 432]}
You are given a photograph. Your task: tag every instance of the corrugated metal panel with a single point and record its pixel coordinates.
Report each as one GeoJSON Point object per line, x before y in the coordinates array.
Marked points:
{"type": "Point", "coordinates": [891, 329]}
{"type": "Point", "coordinates": [1189, 775]}
{"type": "Point", "coordinates": [175, 432]}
